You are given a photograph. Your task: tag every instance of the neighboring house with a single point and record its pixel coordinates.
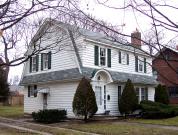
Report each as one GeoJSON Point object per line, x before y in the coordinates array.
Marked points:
{"type": "Point", "coordinates": [51, 78]}
{"type": "Point", "coordinates": [167, 71]}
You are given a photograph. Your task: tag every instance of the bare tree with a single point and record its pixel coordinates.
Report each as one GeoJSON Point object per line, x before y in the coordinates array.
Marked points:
{"type": "Point", "coordinates": [20, 20]}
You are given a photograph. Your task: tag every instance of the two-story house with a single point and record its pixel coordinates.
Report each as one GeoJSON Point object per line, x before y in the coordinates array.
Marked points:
{"type": "Point", "coordinates": [166, 67]}
{"type": "Point", "coordinates": [51, 78]}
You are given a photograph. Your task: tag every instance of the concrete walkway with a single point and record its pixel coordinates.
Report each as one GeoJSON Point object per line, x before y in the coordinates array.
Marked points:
{"type": "Point", "coordinates": [24, 129]}
{"type": "Point", "coordinates": [17, 124]}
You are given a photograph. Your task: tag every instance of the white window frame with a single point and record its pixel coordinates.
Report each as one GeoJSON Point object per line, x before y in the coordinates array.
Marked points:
{"type": "Point", "coordinates": [34, 65]}
{"type": "Point", "coordinates": [140, 62]}
{"type": "Point", "coordinates": [105, 56]}
{"type": "Point", "coordinates": [139, 93]}
{"type": "Point", "coordinates": [123, 57]}
{"type": "Point", "coordinates": [32, 91]}
{"type": "Point", "coordinates": [45, 61]}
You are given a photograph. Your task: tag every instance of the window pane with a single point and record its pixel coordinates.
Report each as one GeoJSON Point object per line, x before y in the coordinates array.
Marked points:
{"type": "Point", "coordinates": [102, 56]}
{"type": "Point", "coordinates": [98, 94]}
{"type": "Point", "coordinates": [45, 61]}
{"type": "Point", "coordinates": [34, 63]}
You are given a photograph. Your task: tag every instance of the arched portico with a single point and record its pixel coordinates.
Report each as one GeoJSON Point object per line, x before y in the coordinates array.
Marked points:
{"type": "Point", "coordinates": [99, 82]}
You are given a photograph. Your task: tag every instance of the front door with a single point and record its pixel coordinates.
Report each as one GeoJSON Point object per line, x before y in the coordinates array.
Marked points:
{"type": "Point", "coordinates": [45, 101]}
{"type": "Point", "coordinates": [99, 99]}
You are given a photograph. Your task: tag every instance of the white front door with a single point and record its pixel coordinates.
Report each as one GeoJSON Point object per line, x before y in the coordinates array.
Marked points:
{"type": "Point", "coordinates": [99, 92]}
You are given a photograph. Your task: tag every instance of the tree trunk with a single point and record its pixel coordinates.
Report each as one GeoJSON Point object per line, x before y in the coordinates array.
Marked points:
{"type": "Point", "coordinates": [85, 118]}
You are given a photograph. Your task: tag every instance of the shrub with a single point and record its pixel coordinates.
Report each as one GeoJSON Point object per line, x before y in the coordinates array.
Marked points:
{"type": "Point", "coordinates": [155, 110]}
{"type": "Point", "coordinates": [49, 116]}
{"type": "Point", "coordinates": [84, 102]}
{"type": "Point", "coordinates": [128, 102]}
{"type": "Point", "coordinates": [161, 94]}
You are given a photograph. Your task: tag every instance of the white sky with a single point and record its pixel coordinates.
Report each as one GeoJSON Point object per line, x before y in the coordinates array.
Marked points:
{"type": "Point", "coordinates": [131, 20]}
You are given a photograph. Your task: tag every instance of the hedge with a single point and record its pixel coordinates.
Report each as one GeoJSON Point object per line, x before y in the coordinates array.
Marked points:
{"type": "Point", "coordinates": [49, 115]}
{"type": "Point", "coordinates": [155, 110]}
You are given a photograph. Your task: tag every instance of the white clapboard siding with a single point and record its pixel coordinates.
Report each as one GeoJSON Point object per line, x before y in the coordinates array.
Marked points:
{"type": "Point", "coordinates": [32, 104]}
{"type": "Point", "coordinates": [60, 97]}
{"type": "Point", "coordinates": [151, 93]}
{"type": "Point", "coordinates": [88, 60]}
{"type": "Point", "coordinates": [112, 104]}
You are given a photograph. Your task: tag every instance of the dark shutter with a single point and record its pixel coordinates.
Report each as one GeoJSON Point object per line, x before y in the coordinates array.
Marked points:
{"type": "Point", "coordinates": [96, 56]}
{"type": "Point", "coordinates": [30, 66]}
{"type": "Point", "coordinates": [35, 90]}
{"type": "Point", "coordinates": [146, 94]}
{"type": "Point", "coordinates": [37, 59]}
{"type": "Point", "coordinates": [28, 91]}
{"type": "Point", "coordinates": [49, 60]}
{"type": "Point", "coordinates": [127, 59]}
{"type": "Point", "coordinates": [119, 93]}
{"type": "Point", "coordinates": [109, 57]}
{"type": "Point", "coordinates": [145, 65]}
{"type": "Point", "coordinates": [136, 63]}
{"type": "Point", "coordinates": [42, 61]}
{"type": "Point", "coordinates": [119, 56]}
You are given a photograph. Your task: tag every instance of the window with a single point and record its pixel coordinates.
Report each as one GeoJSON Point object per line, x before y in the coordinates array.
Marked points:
{"type": "Point", "coordinates": [45, 61]}
{"type": "Point", "coordinates": [141, 93]}
{"type": "Point", "coordinates": [102, 56]}
{"type": "Point", "coordinates": [32, 91]}
{"type": "Point", "coordinates": [34, 64]}
{"type": "Point", "coordinates": [123, 57]}
{"type": "Point", "coordinates": [137, 93]}
{"type": "Point", "coordinates": [140, 65]}
{"type": "Point", "coordinates": [173, 91]}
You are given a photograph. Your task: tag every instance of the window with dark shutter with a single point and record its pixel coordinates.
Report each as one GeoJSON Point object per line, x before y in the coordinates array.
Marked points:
{"type": "Point", "coordinates": [119, 57]}
{"type": "Point", "coordinates": [96, 55]}
{"type": "Point", "coordinates": [30, 66]}
{"type": "Point", "coordinates": [136, 63]}
{"type": "Point", "coordinates": [42, 61]}
{"type": "Point", "coordinates": [28, 91]}
{"type": "Point", "coordinates": [146, 90]}
{"type": "Point", "coordinates": [35, 90]}
{"type": "Point", "coordinates": [127, 59]}
{"type": "Point", "coordinates": [49, 60]}
{"type": "Point", "coordinates": [37, 61]}
{"type": "Point", "coordinates": [145, 65]}
{"type": "Point", "coordinates": [109, 57]}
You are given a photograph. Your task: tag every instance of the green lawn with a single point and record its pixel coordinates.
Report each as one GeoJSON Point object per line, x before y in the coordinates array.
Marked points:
{"type": "Point", "coordinates": [11, 111]}
{"type": "Point", "coordinates": [168, 122]}
{"type": "Point", "coordinates": [120, 129]}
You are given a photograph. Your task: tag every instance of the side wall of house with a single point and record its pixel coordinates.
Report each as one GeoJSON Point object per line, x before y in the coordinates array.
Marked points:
{"type": "Point", "coordinates": [60, 97]}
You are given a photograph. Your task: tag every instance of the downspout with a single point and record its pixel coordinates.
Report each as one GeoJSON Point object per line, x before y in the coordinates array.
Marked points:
{"type": "Point", "coordinates": [79, 62]}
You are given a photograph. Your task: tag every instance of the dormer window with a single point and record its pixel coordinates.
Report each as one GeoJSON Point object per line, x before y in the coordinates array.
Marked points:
{"type": "Point", "coordinates": [34, 63]}
{"type": "Point", "coordinates": [140, 66]}
{"type": "Point", "coordinates": [102, 56]}
{"type": "Point", "coordinates": [46, 61]}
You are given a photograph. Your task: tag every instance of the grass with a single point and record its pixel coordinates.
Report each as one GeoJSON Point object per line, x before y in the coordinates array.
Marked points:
{"type": "Point", "coordinates": [11, 111]}
{"type": "Point", "coordinates": [120, 129]}
{"type": "Point", "coordinates": [11, 131]}
{"type": "Point", "coordinates": [168, 122]}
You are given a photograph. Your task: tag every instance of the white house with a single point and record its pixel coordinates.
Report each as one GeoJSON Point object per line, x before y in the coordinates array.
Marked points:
{"type": "Point", "coordinates": [50, 78]}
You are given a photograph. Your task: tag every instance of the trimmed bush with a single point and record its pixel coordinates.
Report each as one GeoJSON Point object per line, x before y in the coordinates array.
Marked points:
{"type": "Point", "coordinates": [84, 102]}
{"type": "Point", "coordinates": [128, 102]}
{"type": "Point", "coordinates": [161, 94]}
{"type": "Point", "coordinates": [155, 110]}
{"type": "Point", "coordinates": [49, 116]}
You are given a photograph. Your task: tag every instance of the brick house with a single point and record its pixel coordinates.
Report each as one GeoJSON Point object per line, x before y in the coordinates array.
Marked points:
{"type": "Point", "coordinates": [168, 74]}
